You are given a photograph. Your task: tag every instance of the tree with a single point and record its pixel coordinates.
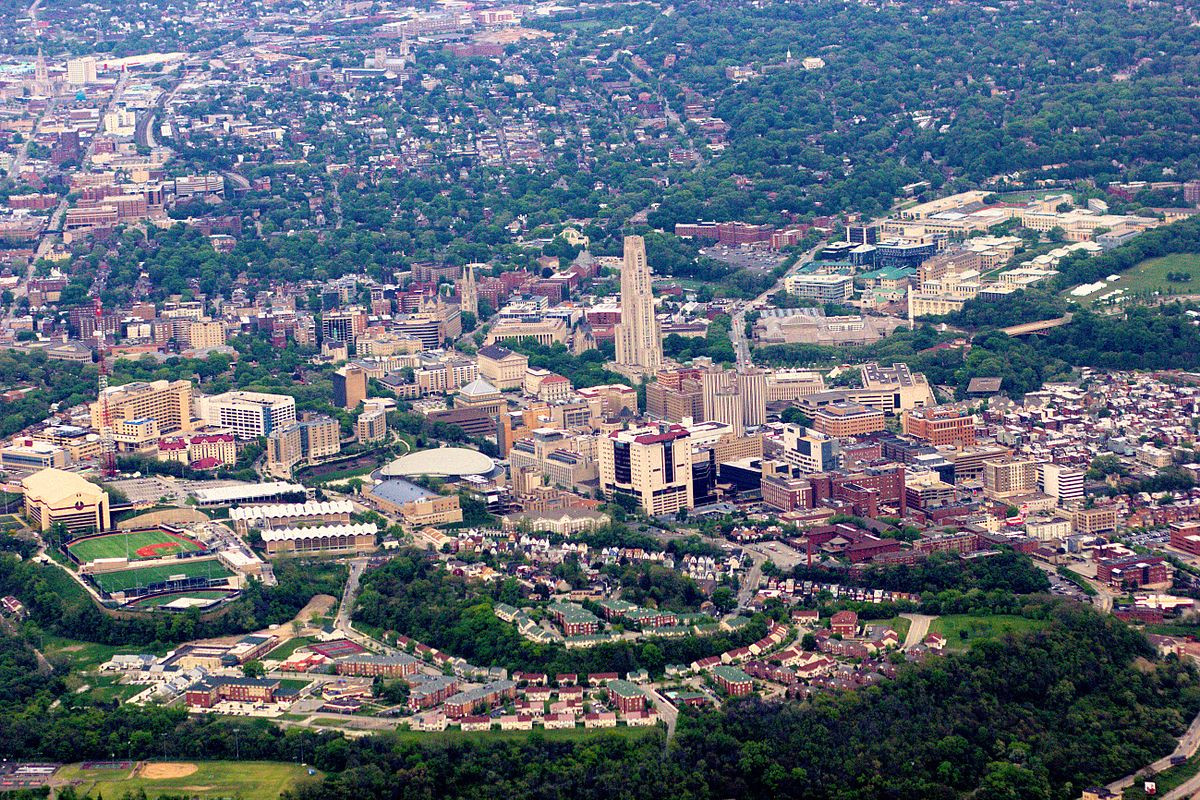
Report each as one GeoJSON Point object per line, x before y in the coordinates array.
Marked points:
{"type": "Point", "coordinates": [724, 599]}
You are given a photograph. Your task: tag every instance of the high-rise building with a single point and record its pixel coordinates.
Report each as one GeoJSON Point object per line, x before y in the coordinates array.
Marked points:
{"type": "Point", "coordinates": [1009, 477]}
{"type": "Point", "coordinates": [752, 386]}
{"type": "Point", "coordinates": [653, 465]}
{"type": "Point", "coordinates": [349, 386]}
{"type": "Point", "coordinates": [371, 425]}
{"type": "Point", "coordinates": [81, 71]}
{"type": "Point", "coordinates": [168, 403]}
{"type": "Point", "coordinates": [1063, 483]}
{"type": "Point", "coordinates": [639, 339]}
{"type": "Point", "coordinates": [248, 414]}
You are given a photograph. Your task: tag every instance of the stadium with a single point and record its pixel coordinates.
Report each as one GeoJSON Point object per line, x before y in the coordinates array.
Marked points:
{"type": "Point", "coordinates": [152, 568]}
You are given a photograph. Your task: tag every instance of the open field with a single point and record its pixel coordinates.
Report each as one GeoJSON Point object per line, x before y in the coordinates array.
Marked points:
{"type": "Point", "coordinates": [975, 628]}
{"type": "Point", "coordinates": [289, 647]}
{"type": "Point", "coordinates": [1151, 275]}
{"type": "Point", "coordinates": [88, 655]}
{"type": "Point", "coordinates": [132, 578]}
{"type": "Point", "coordinates": [207, 780]}
{"type": "Point", "coordinates": [137, 545]}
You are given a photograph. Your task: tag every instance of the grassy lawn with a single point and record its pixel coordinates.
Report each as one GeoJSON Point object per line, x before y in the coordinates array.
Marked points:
{"type": "Point", "coordinates": [130, 578]}
{"type": "Point", "coordinates": [899, 624]}
{"type": "Point", "coordinates": [1151, 275]}
{"type": "Point", "coordinates": [106, 688]}
{"type": "Point", "coordinates": [289, 647]}
{"type": "Point", "coordinates": [975, 628]}
{"type": "Point", "coordinates": [139, 545]}
{"type": "Point", "coordinates": [249, 780]}
{"type": "Point", "coordinates": [87, 655]}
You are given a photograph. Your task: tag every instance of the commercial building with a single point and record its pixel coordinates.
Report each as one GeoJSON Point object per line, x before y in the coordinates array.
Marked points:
{"type": "Point", "coordinates": [168, 403]}
{"type": "Point", "coordinates": [651, 464]}
{"type": "Point", "coordinates": [55, 496]}
{"type": "Point", "coordinates": [638, 336]}
{"type": "Point", "coordinates": [248, 414]}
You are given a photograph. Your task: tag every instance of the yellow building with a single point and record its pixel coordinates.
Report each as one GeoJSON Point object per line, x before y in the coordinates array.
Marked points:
{"type": "Point", "coordinates": [54, 495]}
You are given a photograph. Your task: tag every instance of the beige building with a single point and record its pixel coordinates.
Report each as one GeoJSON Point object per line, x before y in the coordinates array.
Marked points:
{"type": "Point", "coordinates": [543, 331]}
{"type": "Point", "coordinates": [169, 403]}
{"type": "Point", "coordinates": [1009, 477]}
{"type": "Point", "coordinates": [651, 464]}
{"type": "Point", "coordinates": [638, 337]}
{"type": "Point", "coordinates": [53, 495]}
{"type": "Point", "coordinates": [371, 426]}
{"type": "Point", "coordinates": [202, 335]}
{"type": "Point", "coordinates": [502, 368]}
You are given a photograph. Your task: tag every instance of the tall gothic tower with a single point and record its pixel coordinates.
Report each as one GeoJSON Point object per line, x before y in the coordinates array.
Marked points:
{"type": "Point", "coordinates": [639, 339]}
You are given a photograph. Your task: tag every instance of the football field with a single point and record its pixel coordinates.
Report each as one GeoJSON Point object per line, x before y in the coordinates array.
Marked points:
{"type": "Point", "coordinates": [137, 545]}
{"type": "Point", "coordinates": [126, 579]}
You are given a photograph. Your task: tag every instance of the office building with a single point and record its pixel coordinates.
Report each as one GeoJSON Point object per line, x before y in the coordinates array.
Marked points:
{"type": "Point", "coordinates": [169, 403]}
{"type": "Point", "coordinates": [940, 426]}
{"type": "Point", "coordinates": [808, 451]}
{"type": "Point", "coordinates": [844, 419]}
{"type": "Point", "coordinates": [1062, 482]}
{"type": "Point", "coordinates": [349, 386]}
{"type": "Point", "coordinates": [653, 465]}
{"type": "Point", "coordinates": [821, 287]}
{"type": "Point", "coordinates": [248, 414]}
{"type": "Point", "coordinates": [638, 338]}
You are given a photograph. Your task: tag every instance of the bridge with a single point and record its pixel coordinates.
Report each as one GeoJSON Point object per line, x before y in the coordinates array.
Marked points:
{"type": "Point", "coordinates": [1041, 326]}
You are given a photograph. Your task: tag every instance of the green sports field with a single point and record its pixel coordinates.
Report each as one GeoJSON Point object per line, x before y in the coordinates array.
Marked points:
{"type": "Point", "coordinates": [207, 780]}
{"type": "Point", "coordinates": [138, 545]}
{"type": "Point", "coordinates": [133, 578]}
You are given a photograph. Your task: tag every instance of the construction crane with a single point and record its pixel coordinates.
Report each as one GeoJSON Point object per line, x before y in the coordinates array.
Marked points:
{"type": "Point", "coordinates": [108, 447]}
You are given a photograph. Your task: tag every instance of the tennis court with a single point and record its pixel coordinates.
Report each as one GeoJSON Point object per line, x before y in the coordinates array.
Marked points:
{"type": "Point", "coordinates": [137, 545]}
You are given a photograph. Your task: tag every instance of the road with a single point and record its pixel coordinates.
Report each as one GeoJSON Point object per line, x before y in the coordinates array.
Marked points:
{"type": "Point", "coordinates": [1186, 747]}
{"type": "Point", "coordinates": [342, 620]}
{"type": "Point", "coordinates": [753, 577]}
{"type": "Point", "coordinates": [918, 630]}
{"type": "Point", "coordinates": [668, 712]}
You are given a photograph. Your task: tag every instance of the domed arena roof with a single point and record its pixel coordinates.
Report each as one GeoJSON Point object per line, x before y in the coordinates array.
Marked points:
{"type": "Point", "coordinates": [442, 462]}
